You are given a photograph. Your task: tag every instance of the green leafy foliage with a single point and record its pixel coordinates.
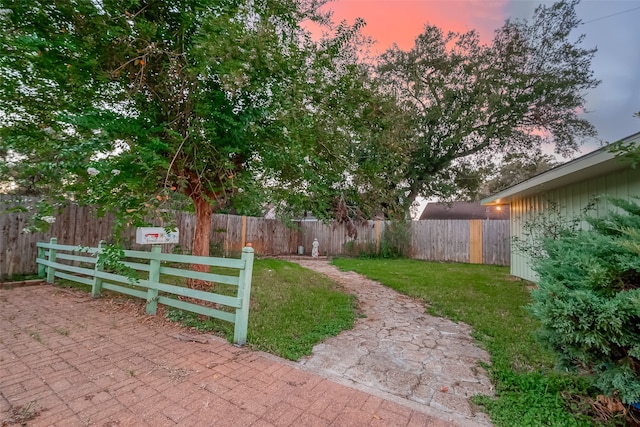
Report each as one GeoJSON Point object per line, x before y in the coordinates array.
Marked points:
{"type": "Point", "coordinates": [110, 259]}
{"type": "Point", "coordinates": [136, 107]}
{"type": "Point", "coordinates": [588, 300]}
{"type": "Point", "coordinates": [535, 399]}
{"type": "Point", "coordinates": [469, 102]}
{"type": "Point", "coordinates": [627, 150]}
{"type": "Point", "coordinates": [516, 168]}
{"type": "Point", "coordinates": [395, 241]}
{"type": "Point", "coordinates": [551, 224]}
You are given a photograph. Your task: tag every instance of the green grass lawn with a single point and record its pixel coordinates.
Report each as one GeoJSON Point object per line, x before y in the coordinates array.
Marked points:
{"type": "Point", "coordinates": [292, 309]}
{"type": "Point", "coordinates": [528, 391]}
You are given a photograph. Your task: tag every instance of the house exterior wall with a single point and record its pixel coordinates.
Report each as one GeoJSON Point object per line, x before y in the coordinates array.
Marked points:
{"type": "Point", "coordinates": [571, 201]}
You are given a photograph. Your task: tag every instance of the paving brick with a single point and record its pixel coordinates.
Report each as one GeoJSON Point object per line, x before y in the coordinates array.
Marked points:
{"type": "Point", "coordinates": [176, 412]}
{"type": "Point", "coordinates": [195, 420]}
{"type": "Point", "coordinates": [326, 408]}
{"type": "Point", "coordinates": [79, 389]}
{"type": "Point", "coordinates": [319, 406]}
{"type": "Point", "coordinates": [60, 365]}
{"type": "Point", "coordinates": [15, 388]}
{"type": "Point", "coordinates": [130, 419]}
{"type": "Point", "coordinates": [49, 418]}
{"type": "Point", "coordinates": [230, 383]}
{"type": "Point", "coordinates": [388, 418]}
{"type": "Point", "coordinates": [226, 414]}
{"type": "Point", "coordinates": [197, 400]}
{"type": "Point", "coordinates": [80, 404]}
{"type": "Point", "coordinates": [239, 394]}
{"type": "Point", "coordinates": [265, 378]}
{"type": "Point", "coordinates": [243, 373]}
{"type": "Point", "coordinates": [125, 386]}
{"type": "Point", "coordinates": [280, 388]}
{"type": "Point", "coordinates": [215, 388]}
{"type": "Point", "coordinates": [13, 366]}
{"type": "Point", "coordinates": [103, 410]}
{"type": "Point", "coordinates": [138, 374]}
{"type": "Point", "coordinates": [104, 381]}
{"type": "Point", "coordinates": [128, 399]}
{"type": "Point", "coordinates": [353, 417]}
{"type": "Point", "coordinates": [309, 420]}
{"type": "Point", "coordinates": [60, 385]}
{"type": "Point", "coordinates": [52, 402]}
{"type": "Point", "coordinates": [159, 419]}
{"type": "Point", "coordinates": [161, 381]}
{"type": "Point", "coordinates": [256, 408]}
{"type": "Point", "coordinates": [422, 420]}
{"type": "Point", "coordinates": [30, 394]}
{"type": "Point", "coordinates": [301, 399]}
{"type": "Point", "coordinates": [372, 404]}
{"type": "Point", "coordinates": [289, 418]}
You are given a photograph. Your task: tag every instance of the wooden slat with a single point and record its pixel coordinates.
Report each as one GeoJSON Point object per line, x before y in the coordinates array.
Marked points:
{"type": "Point", "coordinates": [124, 290]}
{"type": "Point", "coordinates": [80, 258]}
{"type": "Point", "coordinates": [496, 246]}
{"type": "Point", "coordinates": [136, 265]}
{"type": "Point", "coordinates": [209, 277]}
{"type": "Point", "coordinates": [188, 259]}
{"type": "Point", "coordinates": [65, 267]}
{"type": "Point", "coordinates": [206, 311]}
{"type": "Point", "coordinates": [475, 241]}
{"type": "Point", "coordinates": [71, 277]}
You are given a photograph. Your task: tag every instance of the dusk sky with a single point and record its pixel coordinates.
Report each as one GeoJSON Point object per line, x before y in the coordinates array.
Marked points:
{"type": "Point", "coordinates": [613, 26]}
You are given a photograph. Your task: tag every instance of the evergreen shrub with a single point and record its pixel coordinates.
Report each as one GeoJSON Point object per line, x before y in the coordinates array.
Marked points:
{"type": "Point", "coordinates": [588, 300]}
{"type": "Point", "coordinates": [396, 240]}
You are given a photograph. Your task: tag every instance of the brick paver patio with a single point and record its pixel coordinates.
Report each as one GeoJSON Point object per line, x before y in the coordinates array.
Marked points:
{"type": "Point", "coordinates": [69, 360]}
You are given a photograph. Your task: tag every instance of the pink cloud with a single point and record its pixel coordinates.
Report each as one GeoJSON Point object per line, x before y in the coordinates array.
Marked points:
{"type": "Point", "coordinates": [401, 21]}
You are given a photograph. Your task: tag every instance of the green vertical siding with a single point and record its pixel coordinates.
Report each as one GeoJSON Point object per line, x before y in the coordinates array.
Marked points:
{"type": "Point", "coordinates": [572, 199]}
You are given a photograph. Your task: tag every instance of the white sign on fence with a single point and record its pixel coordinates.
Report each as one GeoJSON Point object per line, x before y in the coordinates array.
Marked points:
{"type": "Point", "coordinates": [155, 236]}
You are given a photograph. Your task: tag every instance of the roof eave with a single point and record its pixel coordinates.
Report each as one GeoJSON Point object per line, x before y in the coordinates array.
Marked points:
{"type": "Point", "coordinates": [566, 173]}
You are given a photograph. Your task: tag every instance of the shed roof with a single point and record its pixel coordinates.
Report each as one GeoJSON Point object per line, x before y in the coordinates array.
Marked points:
{"type": "Point", "coordinates": [597, 163]}
{"type": "Point", "coordinates": [462, 210]}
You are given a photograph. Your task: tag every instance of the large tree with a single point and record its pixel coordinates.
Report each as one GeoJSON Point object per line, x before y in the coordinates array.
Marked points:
{"type": "Point", "coordinates": [132, 104]}
{"type": "Point", "coordinates": [516, 168]}
{"type": "Point", "coordinates": [471, 102]}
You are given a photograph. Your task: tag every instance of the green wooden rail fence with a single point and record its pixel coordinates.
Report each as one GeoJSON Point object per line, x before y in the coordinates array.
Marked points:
{"type": "Point", "coordinates": [152, 289]}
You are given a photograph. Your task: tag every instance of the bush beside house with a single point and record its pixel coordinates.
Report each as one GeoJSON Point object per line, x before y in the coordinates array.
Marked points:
{"type": "Point", "coordinates": [588, 300]}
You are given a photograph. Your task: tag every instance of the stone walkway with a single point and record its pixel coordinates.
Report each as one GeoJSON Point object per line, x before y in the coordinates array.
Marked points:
{"type": "Point", "coordinates": [400, 350]}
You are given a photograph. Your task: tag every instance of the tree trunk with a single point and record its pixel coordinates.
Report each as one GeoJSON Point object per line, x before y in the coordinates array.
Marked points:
{"type": "Point", "coordinates": [201, 237]}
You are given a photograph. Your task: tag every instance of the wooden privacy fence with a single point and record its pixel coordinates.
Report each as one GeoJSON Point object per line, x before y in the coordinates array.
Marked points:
{"type": "Point", "coordinates": [472, 241]}
{"type": "Point", "coordinates": [70, 263]}
{"type": "Point", "coordinates": [469, 241]}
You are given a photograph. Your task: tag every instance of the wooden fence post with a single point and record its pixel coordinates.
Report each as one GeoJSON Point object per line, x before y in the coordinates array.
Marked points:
{"type": "Point", "coordinates": [475, 241]}
{"type": "Point", "coordinates": [154, 277]}
{"type": "Point", "coordinates": [377, 236]}
{"type": "Point", "coordinates": [41, 267]}
{"type": "Point", "coordinates": [51, 271]}
{"type": "Point", "coordinates": [244, 293]}
{"type": "Point", "coordinates": [96, 288]}
{"type": "Point", "coordinates": [244, 231]}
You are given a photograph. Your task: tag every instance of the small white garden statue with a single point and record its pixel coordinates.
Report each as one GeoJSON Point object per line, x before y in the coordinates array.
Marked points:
{"type": "Point", "coordinates": [314, 250]}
